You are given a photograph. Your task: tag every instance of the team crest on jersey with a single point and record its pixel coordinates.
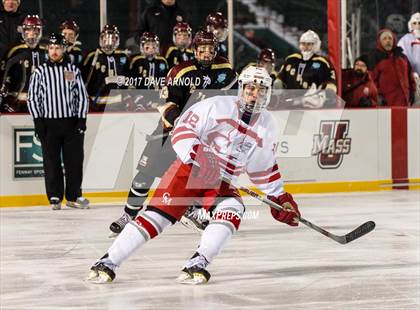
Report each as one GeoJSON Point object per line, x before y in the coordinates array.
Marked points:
{"type": "Point", "coordinates": [332, 143]}
{"type": "Point", "coordinates": [69, 76]}
{"type": "Point", "coordinates": [221, 77]}
{"type": "Point", "coordinates": [316, 65]}
{"type": "Point", "coordinates": [123, 60]}
{"type": "Point", "coordinates": [166, 198]}
{"type": "Point", "coordinates": [162, 66]}
{"type": "Point", "coordinates": [244, 147]}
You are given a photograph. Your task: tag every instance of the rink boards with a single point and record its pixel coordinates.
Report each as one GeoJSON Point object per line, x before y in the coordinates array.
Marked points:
{"type": "Point", "coordinates": [319, 151]}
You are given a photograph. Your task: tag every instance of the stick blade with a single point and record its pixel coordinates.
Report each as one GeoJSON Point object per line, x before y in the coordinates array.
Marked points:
{"type": "Point", "coordinates": [359, 232]}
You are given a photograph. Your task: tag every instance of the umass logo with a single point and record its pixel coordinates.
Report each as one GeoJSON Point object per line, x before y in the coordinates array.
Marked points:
{"type": "Point", "coordinates": [332, 143]}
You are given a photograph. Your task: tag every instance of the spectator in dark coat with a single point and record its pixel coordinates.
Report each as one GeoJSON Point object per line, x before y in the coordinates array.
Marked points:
{"type": "Point", "coordinates": [10, 19]}
{"type": "Point", "coordinates": [161, 19]}
{"type": "Point", "coordinates": [392, 71]}
{"type": "Point", "coordinates": [359, 90]}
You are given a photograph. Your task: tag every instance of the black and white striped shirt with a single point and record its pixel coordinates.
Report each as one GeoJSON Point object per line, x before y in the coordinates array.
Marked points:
{"type": "Point", "coordinates": [56, 90]}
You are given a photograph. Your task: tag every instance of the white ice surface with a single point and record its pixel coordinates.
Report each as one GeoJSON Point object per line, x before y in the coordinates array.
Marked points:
{"type": "Point", "coordinates": [46, 254]}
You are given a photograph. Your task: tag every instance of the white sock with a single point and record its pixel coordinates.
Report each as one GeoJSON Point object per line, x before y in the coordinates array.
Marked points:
{"type": "Point", "coordinates": [214, 238]}
{"type": "Point", "coordinates": [132, 237]}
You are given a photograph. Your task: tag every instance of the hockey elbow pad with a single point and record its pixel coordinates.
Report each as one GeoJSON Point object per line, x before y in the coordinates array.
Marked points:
{"type": "Point", "coordinates": [170, 112]}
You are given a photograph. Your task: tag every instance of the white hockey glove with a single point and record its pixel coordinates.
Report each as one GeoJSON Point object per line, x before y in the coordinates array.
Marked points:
{"type": "Point", "coordinates": [314, 98]}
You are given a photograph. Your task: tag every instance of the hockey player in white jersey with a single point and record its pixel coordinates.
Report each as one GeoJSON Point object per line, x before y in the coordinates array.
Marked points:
{"type": "Point", "coordinates": [220, 136]}
{"type": "Point", "coordinates": [410, 43]}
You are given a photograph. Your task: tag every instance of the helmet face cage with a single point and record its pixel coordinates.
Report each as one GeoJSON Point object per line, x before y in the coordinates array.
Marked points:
{"type": "Point", "coordinates": [109, 39]}
{"type": "Point", "coordinates": [182, 35]}
{"type": "Point", "coordinates": [32, 30]}
{"type": "Point", "coordinates": [220, 33]}
{"type": "Point", "coordinates": [152, 47]}
{"type": "Point", "coordinates": [312, 38]}
{"type": "Point", "coordinates": [205, 47]}
{"type": "Point", "coordinates": [250, 80]}
{"type": "Point", "coordinates": [414, 24]}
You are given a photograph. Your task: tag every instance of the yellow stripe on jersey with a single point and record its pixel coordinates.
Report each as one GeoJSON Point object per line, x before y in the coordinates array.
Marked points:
{"type": "Point", "coordinates": [185, 70]}
{"type": "Point", "coordinates": [295, 55]}
{"type": "Point", "coordinates": [321, 59]}
{"type": "Point", "coordinates": [135, 59]}
{"type": "Point", "coordinates": [225, 65]}
{"type": "Point", "coordinates": [163, 59]}
{"type": "Point", "coordinates": [170, 49]}
{"type": "Point", "coordinates": [121, 52]}
{"type": "Point", "coordinates": [90, 55]}
{"type": "Point", "coordinates": [14, 49]}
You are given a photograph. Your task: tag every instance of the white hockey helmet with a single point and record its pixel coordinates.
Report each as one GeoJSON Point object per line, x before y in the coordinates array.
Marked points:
{"type": "Point", "coordinates": [254, 78]}
{"type": "Point", "coordinates": [309, 37]}
{"type": "Point", "coordinates": [414, 24]}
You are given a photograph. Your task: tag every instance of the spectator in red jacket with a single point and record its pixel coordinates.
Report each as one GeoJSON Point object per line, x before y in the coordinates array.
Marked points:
{"type": "Point", "coordinates": [392, 71]}
{"type": "Point", "coordinates": [359, 90]}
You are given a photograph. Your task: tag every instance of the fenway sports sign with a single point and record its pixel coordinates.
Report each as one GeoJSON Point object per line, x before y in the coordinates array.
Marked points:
{"type": "Point", "coordinates": [27, 154]}
{"type": "Point", "coordinates": [332, 143]}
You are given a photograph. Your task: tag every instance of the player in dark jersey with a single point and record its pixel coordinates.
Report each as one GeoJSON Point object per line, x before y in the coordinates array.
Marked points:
{"type": "Point", "coordinates": [266, 59]}
{"type": "Point", "coordinates": [148, 67]}
{"type": "Point", "coordinates": [105, 69]}
{"type": "Point", "coordinates": [70, 30]}
{"type": "Point", "coordinates": [309, 70]}
{"type": "Point", "coordinates": [19, 64]}
{"type": "Point", "coordinates": [216, 23]}
{"type": "Point", "coordinates": [206, 71]}
{"type": "Point", "coordinates": [147, 70]}
{"type": "Point", "coordinates": [180, 51]}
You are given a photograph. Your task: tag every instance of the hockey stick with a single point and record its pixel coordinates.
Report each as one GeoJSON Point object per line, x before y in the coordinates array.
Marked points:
{"type": "Point", "coordinates": [353, 235]}
{"type": "Point", "coordinates": [92, 67]}
{"type": "Point", "coordinates": [16, 94]}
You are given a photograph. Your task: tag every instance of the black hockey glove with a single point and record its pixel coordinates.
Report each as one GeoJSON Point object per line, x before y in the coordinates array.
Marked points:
{"type": "Point", "coordinates": [81, 125]}
{"type": "Point", "coordinates": [40, 128]}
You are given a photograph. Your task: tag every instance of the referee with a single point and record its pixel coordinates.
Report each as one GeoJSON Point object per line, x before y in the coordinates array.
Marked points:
{"type": "Point", "coordinates": [57, 100]}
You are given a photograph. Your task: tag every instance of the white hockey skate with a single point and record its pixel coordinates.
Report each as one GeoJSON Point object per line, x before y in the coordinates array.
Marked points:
{"type": "Point", "coordinates": [194, 272]}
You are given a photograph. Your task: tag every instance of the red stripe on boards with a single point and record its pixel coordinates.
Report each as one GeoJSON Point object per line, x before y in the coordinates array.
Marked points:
{"type": "Point", "coordinates": [399, 146]}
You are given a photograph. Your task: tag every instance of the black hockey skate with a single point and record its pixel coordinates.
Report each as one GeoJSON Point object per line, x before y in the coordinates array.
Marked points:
{"type": "Point", "coordinates": [100, 273]}
{"type": "Point", "coordinates": [195, 219]}
{"type": "Point", "coordinates": [117, 226]}
{"type": "Point", "coordinates": [194, 276]}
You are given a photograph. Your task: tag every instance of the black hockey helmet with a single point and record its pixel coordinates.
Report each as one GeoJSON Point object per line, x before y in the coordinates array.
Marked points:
{"type": "Point", "coordinates": [57, 39]}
